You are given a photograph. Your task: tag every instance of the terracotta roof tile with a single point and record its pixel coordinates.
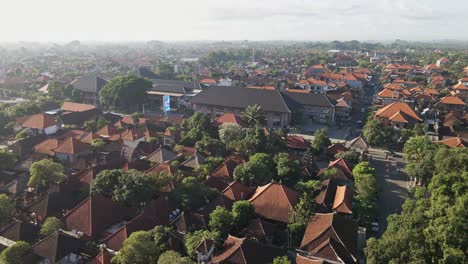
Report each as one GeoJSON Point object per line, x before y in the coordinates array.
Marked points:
{"type": "Point", "coordinates": [76, 107]}
{"type": "Point", "coordinates": [47, 146]}
{"type": "Point", "coordinates": [274, 201]}
{"type": "Point", "coordinates": [72, 146]}
{"type": "Point", "coordinates": [451, 100]}
{"type": "Point", "coordinates": [297, 142]}
{"type": "Point", "coordinates": [38, 121]}
{"type": "Point", "coordinates": [391, 109]}
{"type": "Point", "coordinates": [343, 200]}
{"type": "Point", "coordinates": [230, 118]}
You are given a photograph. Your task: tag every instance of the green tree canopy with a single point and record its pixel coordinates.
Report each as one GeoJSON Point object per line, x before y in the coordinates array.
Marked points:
{"type": "Point", "coordinates": [192, 240]}
{"type": "Point", "coordinates": [243, 211]}
{"type": "Point", "coordinates": [229, 132]}
{"type": "Point", "coordinates": [288, 170]}
{"type": "Point", "coordinates": [221, 220]}
{"type": "Point", "coordinates": [256, 171]}
{"type": "Point", "coordinates": [173, 257]}
{"type": "Point", "coordinates": [7, 159]}
{"type": "Point", "coordinates": [281, 260]}
{"type": "Point", "coordinates": [45, 173]}
{"type": "Point", "coordinates": [191, 193]}
{"type": "Point", "coordinates": [139, 248]}
{"type": "Point", "coordinates": [127, 93]}
{"type": "Point", "coordinates": [15, 254]}
{"type": "Point", "coordinates": [253, 115]}
{"type": "Point", "coordinates": [51, 225]}
{"type": "Point", "coordinates": [133, 188]}
{"type": "Point", "coordinates": [7, 208]}
{"type": "Point", "coordinates": [210, 146]}
{"type": "Point", "coordinates": [321, 141]}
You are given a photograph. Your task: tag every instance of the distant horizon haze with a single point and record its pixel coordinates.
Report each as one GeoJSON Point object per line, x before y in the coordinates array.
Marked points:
{"type": "Point", "coordinates": [231, 20]}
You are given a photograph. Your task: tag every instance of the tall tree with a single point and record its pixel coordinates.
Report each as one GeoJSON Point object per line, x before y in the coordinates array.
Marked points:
{"type": "Point", "coordinates": [127, 93]}
{"type": "Point", "coordinates": [45, 173]}
{"type": "Point", "coordinates": [133, 188]}
{"type": "Point", "coordinates": [192, 240]}
{"type": "Point", "coordinates": [139, 248]}
{"type": "Point", "coordinates": [51, 225]}
{"type": "Point", "coordinates": [16, 253]}
{"type": "Point", "coordinates": [221, 220]}
{"type": "Point", "coordinates": [321, 141]}
{"type": "Point", "coordinates": [243, 211]}
{"type": "Point", "coordinates": [7, 159]}
{"type": "Point", "coordinates": [7, 208]}
{"type": "Point", "coordinates": [173, 257]}
{"type": "Point", "coordinates": [253, 115]}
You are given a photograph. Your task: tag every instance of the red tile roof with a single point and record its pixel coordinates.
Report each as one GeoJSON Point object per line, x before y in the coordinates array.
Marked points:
{"type": "Point", "coordinates": [343, 200]}
{"type": "Point", "coordinates": [451, 100]}
{"type": "Point", "coordinates": [88, 138]}
{"type": "Point", "coordinates": [47, 146]}
{"type": "Point", "coordinates": [274, 201]}
{"type": "Point", "coordinates": [460, 86]}
{"type": "Point", "coordinates": [453, 142]}
{"type": "Point", "coordinates": [237, 191]}
{"type": "Point", "coordinates": [244, 251]}
{"type": "Point", "coordinates": [38, 121]}
{"type": "Point", "coordinates": [76, 107]}
{"type": "Point", "coordinates": [391, 109]}
{"type": "Point", "coordinates": [332, 237]}
{"type": "Point", "coordinates": [95, 214]}
{"type": "Point", "coordinates": [208, 81]}
{"type": "Point", "coordinates": [72, 146]}
{"type": "Point", "coordinates": [297, 142]}
{"type": "Point", "coordinates": [230, 118]}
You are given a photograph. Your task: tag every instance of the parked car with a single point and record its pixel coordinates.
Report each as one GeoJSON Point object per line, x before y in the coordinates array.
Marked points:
{"type": "Point", "coordinates": [375, 227]}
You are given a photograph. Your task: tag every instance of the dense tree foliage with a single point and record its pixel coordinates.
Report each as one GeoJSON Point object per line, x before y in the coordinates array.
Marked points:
{"type": "Point", "coordinates": [432, 226]}
{"type": "Point", "coordinates": [139, 248]}
{"type": "Point", "coordinates": [253, 115]}
{"type": "Point", "coordinates": [288, 170]}
{"type": "Point", "coordinates": [192, 194]}
{"type": "Point", "coordinates": [230, 132]}
{"type": "Point", "coordinates": [377, 134]}
{"type": "Point", "coordinates": [194, 128]}
{"type": "Point", "coordinates": [221, 220]}
{"type": "Point", "coordinates": [256, 171]}
{"type": "Point", "coordinates": [173, 257]}
{"type": "Point", "coordinates": [243, 211]}
{"type": "Point", "coordinates": [192, 240]}
{"type": "Point", "coordinates": [7, 159]}
{"type": "Point", "coordinates": [127, 93]}
{"type": "Point", "coordinates": [365, 184]}
{"type": "Point", "coordinates": [45, 173]}
{"type": "Point", "coordinates": [351, 157]}
{"type": "Point", "coordinates": [210, 146]}
{"type": "Point", "coordinates": [59, 91]}
{"type": "Point", "coordinates": [51, 225]}
{"type": "Point", "coordinates": [133, 188]}
{"type": "Point", "coordinates": [281, 260]}
{"type": "Point", "coordinates": [7, 208]}
{"type": "Point", "coordinates": [321, 141]}
{"type": "Point", "coordinates": [419, 155]}
{"type": "Point", "coordinates": [16, 253]}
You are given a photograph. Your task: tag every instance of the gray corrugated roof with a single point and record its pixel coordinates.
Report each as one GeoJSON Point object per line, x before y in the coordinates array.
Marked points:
{"type": "Point", "coordinates": [169, 89]}
{"type": "Point", "coordinates": [160, 82]}
{"type": "Point", "coordinates": [268, 100]}
{"type": "Point", "coordinates": [306, 99]}
{"type": "Point", "coordinates": [89, 83]}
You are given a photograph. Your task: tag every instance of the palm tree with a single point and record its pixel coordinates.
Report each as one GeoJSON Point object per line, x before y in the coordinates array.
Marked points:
{"type": "Point", "coordinates": [253, 115]}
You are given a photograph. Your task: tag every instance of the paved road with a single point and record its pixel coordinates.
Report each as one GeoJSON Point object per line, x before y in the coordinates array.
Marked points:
{"type": "Point", "coordinates": [392, 185]}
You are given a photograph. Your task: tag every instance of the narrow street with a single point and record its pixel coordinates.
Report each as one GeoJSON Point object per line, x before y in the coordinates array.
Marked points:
{"type": "Point", "coordinates": [392, 185]}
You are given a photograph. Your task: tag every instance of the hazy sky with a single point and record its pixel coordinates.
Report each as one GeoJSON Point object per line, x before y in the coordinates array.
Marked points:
{"type": "Point", "coordinates": [116, 20]}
